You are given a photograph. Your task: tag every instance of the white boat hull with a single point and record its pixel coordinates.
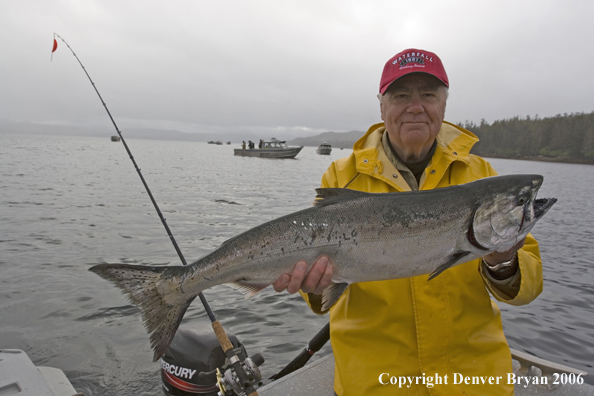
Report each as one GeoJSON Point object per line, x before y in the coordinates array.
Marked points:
{"type": "Point", "coordinates": [19, 376]}
{"type": "Point", "coordinates": [269, 153]}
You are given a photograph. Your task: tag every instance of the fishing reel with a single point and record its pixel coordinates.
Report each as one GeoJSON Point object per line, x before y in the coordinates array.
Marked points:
{"type": "Point", "coordinates": [229, 382]}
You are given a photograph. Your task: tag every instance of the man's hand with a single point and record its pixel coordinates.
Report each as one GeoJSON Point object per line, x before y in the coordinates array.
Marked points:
{"type": "Point", "coordinates": [315, 281]}
{"type": "Point", "coordinates": [499, 257]}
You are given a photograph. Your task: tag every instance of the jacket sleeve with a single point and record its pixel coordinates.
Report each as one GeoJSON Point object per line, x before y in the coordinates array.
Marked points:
{"type": "Point", "coordinates": [531, 280]}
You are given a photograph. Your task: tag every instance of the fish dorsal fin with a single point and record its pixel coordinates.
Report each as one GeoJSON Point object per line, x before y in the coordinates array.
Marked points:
{"type": "Point", "coordinates": [329, 196]}
{"type": "Point", "coordinates": [331, 294]}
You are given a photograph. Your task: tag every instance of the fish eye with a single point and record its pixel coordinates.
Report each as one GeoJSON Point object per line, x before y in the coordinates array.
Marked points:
{"type": "Point", "coordinates": [522, 200]}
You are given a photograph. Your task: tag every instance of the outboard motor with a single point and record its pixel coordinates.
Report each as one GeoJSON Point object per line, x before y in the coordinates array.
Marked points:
{"type": "Point", "coordinates": [189, 366]}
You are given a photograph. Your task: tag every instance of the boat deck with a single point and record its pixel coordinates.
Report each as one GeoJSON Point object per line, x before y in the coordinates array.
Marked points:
{"type": "Point", "coordinates": [19, 376]}
{"type": "Point", "coordinates": [317, 379]}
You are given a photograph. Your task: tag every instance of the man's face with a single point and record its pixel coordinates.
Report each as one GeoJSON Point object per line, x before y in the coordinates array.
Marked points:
{"type": "Point", "coordinates": [413, 109]}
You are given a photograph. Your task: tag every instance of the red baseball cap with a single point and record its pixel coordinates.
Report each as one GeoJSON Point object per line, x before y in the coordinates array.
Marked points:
{"type": "Point", "coordinates": [412, 61]}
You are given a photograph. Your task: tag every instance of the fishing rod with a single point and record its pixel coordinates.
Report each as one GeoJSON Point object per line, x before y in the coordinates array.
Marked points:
{"type": "Point", "coordinates": [228, 384]}
{"type": "Point", "coordinates": [315, 344]}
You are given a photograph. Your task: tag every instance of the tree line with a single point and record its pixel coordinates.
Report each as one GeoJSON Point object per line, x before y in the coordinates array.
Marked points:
{"type": "Point", "coordinates": [567, 137]}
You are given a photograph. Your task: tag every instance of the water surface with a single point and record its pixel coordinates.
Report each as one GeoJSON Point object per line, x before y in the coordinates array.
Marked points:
{"type": "Point", "coordinates": [68, 203]}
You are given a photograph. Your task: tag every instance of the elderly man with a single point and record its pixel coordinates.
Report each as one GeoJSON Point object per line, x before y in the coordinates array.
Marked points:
{"type": "Point", "coordinates": [433, 332]}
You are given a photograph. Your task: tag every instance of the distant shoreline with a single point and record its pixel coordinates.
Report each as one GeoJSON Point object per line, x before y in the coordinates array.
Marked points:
{"type": "Point", "coordinates": [563, 160]}
{"type": "Point", "coordinates": [175, 136]}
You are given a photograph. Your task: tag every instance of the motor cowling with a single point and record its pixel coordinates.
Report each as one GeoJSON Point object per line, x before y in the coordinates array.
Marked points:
{"type": "Point", "coordinates": [191, 353]}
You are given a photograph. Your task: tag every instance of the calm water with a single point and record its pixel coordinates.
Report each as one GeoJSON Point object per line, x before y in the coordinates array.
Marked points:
{"type": "Point", "coordinates": [69, 203]}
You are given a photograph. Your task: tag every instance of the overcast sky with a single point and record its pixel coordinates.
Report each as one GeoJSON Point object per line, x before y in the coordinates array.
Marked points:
{"type": "Point", "coordinates": [275, 67]}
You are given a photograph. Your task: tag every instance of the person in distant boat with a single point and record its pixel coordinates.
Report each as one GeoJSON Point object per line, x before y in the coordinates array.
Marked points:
{"type": "Point", "coordinates": [243, 145]}
{"type": "Point", "coordinates": [414, 327]}
{"type": "Point", "coordinates": [260, 144]}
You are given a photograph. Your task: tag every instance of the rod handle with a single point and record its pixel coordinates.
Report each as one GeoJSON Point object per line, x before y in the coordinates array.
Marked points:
{"type": "Point", "coordinates": [222, 336]}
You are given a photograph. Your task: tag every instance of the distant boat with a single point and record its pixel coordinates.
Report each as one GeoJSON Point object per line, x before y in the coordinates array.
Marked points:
{"type": "Point", "coordinates": [273, 148]}
{"type": "Point", "coordinates": [115, 138]}
{"type": "Point", "coordinates": [219, 142]}
{"type": "Point", "coordinates": [324, 149]}
{"type": "Point", "coordinates": [228, 142]}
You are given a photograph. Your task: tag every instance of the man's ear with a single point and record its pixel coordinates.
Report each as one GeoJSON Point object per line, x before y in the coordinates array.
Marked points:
{"type": "Point", "coordinates": [381, 98]}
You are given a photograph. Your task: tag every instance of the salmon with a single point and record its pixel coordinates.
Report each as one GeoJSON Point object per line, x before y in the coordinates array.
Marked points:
{"type": "Point", "coordinates": [366, 236]}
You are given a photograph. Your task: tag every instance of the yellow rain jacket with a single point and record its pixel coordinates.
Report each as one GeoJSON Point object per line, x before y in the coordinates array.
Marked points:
{"type": "Point", "coordinates": [387, 330]}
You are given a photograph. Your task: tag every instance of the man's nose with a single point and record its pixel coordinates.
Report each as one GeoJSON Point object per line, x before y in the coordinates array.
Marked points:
{"type": "Point", "coordinates": [415, 106]}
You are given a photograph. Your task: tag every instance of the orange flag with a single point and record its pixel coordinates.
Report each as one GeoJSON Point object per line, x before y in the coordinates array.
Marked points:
{"type": "Point", "coordinates": [54, 49]}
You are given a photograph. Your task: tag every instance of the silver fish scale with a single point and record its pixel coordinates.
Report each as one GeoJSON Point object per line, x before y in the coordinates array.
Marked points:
{"type": "Point", "coordinates": [391, 233]}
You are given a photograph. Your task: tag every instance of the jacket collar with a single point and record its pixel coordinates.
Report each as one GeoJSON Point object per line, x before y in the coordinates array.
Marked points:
{"type": "Point", "coordinates": [453, 144]}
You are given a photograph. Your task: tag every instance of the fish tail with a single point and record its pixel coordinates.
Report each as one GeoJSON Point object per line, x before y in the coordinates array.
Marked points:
{"type": "Point", "coordinates": [159, 298]}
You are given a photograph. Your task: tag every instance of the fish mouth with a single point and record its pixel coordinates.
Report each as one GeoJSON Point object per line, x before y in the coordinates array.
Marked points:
{"type": "Point", "coordinates": [542, 205]}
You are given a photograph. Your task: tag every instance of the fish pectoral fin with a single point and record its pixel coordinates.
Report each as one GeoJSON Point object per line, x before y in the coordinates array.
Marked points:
{"type": "Point", "coordinates": [455, 258]}
{"type": "Point", "coordinates": [331, 294]}
{"type": "Point", "coordinates": [248, 288]}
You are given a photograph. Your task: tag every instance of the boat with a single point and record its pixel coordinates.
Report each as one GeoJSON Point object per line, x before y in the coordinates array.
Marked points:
{"type": "Point", "coordinates": [531, 375]}
{"type": "Point", "coordinates": [19, 376]}
{"type": "Point", "coordinates": [324, 149]}
{"type": "Point", "coordinates": [272, 148]}
{"type": "Point", "coordinates": [317, 378]}
{"type": "Point", "coordinates": [228, 142]}
{"type": "Point", "coordinates": [115, 138]}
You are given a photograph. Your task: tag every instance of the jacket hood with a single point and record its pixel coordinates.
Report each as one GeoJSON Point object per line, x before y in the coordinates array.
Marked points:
{"type": "Point", "coordinates": [453, 144]}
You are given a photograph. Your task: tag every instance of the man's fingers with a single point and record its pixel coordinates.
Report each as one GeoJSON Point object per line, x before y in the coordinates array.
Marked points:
{"type": "Point", "coordinates": [315, 275]}
{"type": "Point", "coordinates": [297, 277]}
{"type": "Point", "coordinates": [314, 281]}
{"type": "Point", "coordinates": [499, 257]}
{"type": "Point", "coordinates": [281, 283]}
{"type": "Point", "coordinates": [326, 279]}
